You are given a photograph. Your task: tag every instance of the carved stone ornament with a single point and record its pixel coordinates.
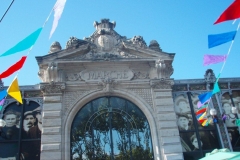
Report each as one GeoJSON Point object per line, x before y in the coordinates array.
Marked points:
{"type": "Point", "coordinates": [52, 88]}
{"type": "Point", "coordinates": [162, 84]}
{"type": "Point", "coordinates": [138, 40]}
{"type": "Point", "coordinates": [107, 84]}
{"type": "Point", "coordinates": [163, 70]}
{"type": "Point", "coordinates": [50, 74]}
{"type": "Point", "coordinates": [141, 75]}
{"type": "Point", "coordinates": [209, 76]}
{"type": "Point", "coordinates": [74, 42]}
{"type": "Point", "coordinates": [154, 46]}
{"type": "Point", "coordinates": [55, 47]}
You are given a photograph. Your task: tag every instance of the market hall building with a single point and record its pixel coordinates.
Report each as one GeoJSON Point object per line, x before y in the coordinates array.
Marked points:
{"type": "Point", "coordinates": [109, 97]}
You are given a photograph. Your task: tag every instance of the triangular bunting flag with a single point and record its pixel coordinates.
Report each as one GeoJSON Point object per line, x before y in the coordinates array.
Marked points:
{"type": "Point", "coordinates": [58, 9]}
{"type": "Point", "coordinates": [199, 104]}
{"type": "Point", "coordinates": [205, 97]}
{"type": "Point", "coordinates": [3, 94]}
{"type": "Point", "coordinates": [13, 90]}
{"type": "Point", "coordinates": [201, 121]}
{"type": "Point", "coordinates": [26, 43]}
{"type": "Point", "coordinates": [0, 108]}
{"type": "Point", "coordinates": [231, 13]}
{"type": "Point", "coordinates": [218, 39]}
{"type": "Point", "coordinates": [199, 115]}
{"type": "Point", "coordinates": [205, 123]}
{"type": "Point", "coordinates": [3, 100]}
{"type": "Point", "coordinates": [213, 59]}
{"type": "Point", "coordinates": [13, 68]}
{"type": "Point", "coordinates": [216, 88]}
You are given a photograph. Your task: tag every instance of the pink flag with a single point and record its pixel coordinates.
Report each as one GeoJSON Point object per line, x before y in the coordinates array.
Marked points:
{"type": "Point", "coordinates": [199, 104]}
{"type": "Point", "coordinates": [212, 59]}
{"type": "Point", "coordinates": [58, 9]}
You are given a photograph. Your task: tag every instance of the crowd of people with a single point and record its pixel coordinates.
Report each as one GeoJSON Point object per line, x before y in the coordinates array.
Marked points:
{"type": "Point", "coordinates": [31, 129]}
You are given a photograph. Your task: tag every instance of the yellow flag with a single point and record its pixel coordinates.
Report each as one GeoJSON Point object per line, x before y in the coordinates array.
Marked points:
{"type": "Point", "coordinates": [202, 116]}
{"type": "Point", "coordinates": [13, 90]}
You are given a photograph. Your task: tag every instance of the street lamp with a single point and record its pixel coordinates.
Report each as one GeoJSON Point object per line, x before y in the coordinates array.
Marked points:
{"type": "Point", "coordinates": [213, 113]}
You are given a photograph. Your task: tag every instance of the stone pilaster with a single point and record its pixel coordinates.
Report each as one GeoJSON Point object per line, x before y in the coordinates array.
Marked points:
{"type": "Point", "coordinates": [52, 123]}
{"type": "Point", "coordinates": [169, 139]}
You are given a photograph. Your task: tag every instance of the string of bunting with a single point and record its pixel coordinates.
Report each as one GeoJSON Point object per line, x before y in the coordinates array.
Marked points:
{"type": "Point", "coordinates": [27, 43]}
{"type": "Point", "coordinates": [231, 13]}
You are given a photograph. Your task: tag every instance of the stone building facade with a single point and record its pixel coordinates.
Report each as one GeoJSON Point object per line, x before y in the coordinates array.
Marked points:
{"type": "Point", "coordinates": [115, 73]}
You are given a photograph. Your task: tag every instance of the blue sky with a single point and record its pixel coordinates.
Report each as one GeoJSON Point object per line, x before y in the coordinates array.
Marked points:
{"type": "Point", "coordinates": [180, 27]}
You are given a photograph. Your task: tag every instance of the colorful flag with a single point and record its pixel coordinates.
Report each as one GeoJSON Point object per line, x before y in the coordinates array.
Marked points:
{"type": "Point", "coordinates": [231, 13]}
{"type": "Point", "coordinates": [3, 94]}
{"type": "Point", "coordinates": [13, 90]}
{"type": "Point", "coordinates": [199, 115]}
{"type": "Point", "coordinates": [218, 39]}
{"type": "Point", "coordinates": [200, 105]}
{"type": "Point", "coordinates": [216, 88]}
{"type": "Point", "coordinates": [213, 59]}
{"type": "Point", "coordinates": [237, 122]}
{"type": "Point", "coordinates": [205, 97]}
{"type": "Point", "coordinates": [205, 123]}
{"type": "Point", "coordinates": [202, 116]}
{"type": "Point", "coordinates": [201, 111]}
{"type": "Point", "coordinates": [13, 68]}
{"type": "Point", "coordinates": [58, 9]}
{"type": "Point", "coordinates": [26, 43]}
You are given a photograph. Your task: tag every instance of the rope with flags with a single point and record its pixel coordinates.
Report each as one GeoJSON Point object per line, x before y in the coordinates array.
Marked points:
{"type": "Point", "coordinates": [231, 13]}
{"type": "Point", "coordinates": [27, 43]}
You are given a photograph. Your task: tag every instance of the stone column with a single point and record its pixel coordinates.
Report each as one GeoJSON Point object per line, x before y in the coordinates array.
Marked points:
{"type": "Point", "coordinates": [169, 139]}
{"type": "Point", "coordinates": [51, 121]}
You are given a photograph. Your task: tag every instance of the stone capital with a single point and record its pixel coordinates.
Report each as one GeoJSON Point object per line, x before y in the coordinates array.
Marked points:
{"type": "Point", "coordinates": [162, 84]}
{"type": "Point", "coordinates": [53, 88]}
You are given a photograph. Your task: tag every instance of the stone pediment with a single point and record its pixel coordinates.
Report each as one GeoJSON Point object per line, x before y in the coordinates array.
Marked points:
{"type": "Point", "coordinates": [105, 44]}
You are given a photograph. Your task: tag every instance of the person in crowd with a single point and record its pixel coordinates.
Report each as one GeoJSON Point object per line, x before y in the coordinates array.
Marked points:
{"type": "Point", "coordinates": [11, 131]}
{"type": "Point", "coordinates": [35, 133]}
{"type": "Point", "coordinates": [183, 122]}
{"type": "Point", "coordinates": [195, 142]}
{"type": "Point", "coordinates": [28, 122]}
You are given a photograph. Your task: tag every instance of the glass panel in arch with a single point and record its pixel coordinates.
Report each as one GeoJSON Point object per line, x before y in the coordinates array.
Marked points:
{"type": "Point", "coordinates": [118, 103]}
{"type": "Point", "coordinates": [109, 133]}
{"type": "Point", "coordinates": [8, 151]}
{"type": "Point", "coordinates": [12, 116]}
{"type": "Point", "coordinates": [32, 121]}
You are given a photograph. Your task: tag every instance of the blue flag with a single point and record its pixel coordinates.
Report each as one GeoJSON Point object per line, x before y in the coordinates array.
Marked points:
{"type": "Point", "coordinates": [3, 94]}
{"type": "Point", "coordinates": [205, 97]}
{"type": "Point", "coordinates": [24, 44]}
{"type": "Point", "coordinates": [218, 39]}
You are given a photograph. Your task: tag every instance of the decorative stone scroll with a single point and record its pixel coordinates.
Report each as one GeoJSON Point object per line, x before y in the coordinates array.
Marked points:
{"type": "Point", "coordinates": [52, 88]}
{"type": "Point", "coordinates": [98, 75]}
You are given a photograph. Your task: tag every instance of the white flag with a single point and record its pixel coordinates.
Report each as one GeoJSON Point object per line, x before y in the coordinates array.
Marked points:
{"type": "Point", "coordinates": [58, 9]}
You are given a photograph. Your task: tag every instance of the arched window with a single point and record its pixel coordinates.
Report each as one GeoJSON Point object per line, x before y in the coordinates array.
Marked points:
{"type": "Point", "coordinates": [111, 128]}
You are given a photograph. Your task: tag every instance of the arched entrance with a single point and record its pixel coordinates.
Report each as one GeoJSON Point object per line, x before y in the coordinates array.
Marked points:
{"type": "Point", "coordinates": [110, 128]}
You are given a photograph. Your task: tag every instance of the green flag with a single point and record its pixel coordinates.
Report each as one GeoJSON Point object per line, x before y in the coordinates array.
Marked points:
{"type": "Point", "coordinates": [24, 44]}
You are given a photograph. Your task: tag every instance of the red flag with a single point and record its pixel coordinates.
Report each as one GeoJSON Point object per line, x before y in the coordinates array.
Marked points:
{"type": "Point", "coordinates": [13, 68]}
{"type": "Point", "coordinates": [231, 13]}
